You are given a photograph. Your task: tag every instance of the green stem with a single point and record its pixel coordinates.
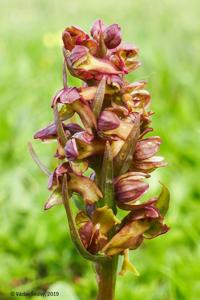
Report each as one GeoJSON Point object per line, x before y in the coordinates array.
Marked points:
{"type": "Point", "coordinates": [106, 278]}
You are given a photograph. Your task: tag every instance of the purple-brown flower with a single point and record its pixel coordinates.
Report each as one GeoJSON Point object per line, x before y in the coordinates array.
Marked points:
{"type": "Point", "coordinates": [104, 156]}
{"type": "Point", "coordinates": [130, 186]}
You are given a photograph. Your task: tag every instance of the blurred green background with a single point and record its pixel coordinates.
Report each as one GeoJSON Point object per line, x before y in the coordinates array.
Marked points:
{"type": "Point", "coordinates": [35, 249]}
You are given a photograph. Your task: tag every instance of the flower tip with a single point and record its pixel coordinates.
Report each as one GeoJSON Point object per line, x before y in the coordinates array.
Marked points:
{"type": "Point", "coordinates": [47, 206]}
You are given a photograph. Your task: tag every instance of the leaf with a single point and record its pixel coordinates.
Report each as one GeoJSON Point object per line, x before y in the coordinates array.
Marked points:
{"type": "Point", "coordinates": [99, 97]}
{"type": "Point", "coordinates": [64, 75]}
{"type": "Point", "coordinates": [127, 237]}
{"type": "Point", "coordinates": [107, 179]}
{"type": "Point", "coordinates": [124, 158]}
{"type": "Point", "coordinates": [60, 131]}
{"type": "Point", "coordinates": [73, 229]}
{"type": "Point", "coordinates": [36, 159]}
{"type": "Point", "coordinates": [163, 200]}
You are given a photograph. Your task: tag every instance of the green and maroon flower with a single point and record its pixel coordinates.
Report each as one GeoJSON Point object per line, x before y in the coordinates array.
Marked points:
{"type": "Point", "coordinates": [104, 156]}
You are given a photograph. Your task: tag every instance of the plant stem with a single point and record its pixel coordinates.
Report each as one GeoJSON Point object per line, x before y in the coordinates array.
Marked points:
{"type": "Point", "coordinates": [106, 278]}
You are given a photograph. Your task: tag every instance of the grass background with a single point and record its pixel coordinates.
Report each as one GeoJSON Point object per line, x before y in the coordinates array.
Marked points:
{"type": "Point", "coordinates": [35, 249]}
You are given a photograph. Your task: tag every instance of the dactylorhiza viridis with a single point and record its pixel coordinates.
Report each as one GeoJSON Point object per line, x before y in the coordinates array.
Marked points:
{"type": "Point", "coordinates": [104, 148]}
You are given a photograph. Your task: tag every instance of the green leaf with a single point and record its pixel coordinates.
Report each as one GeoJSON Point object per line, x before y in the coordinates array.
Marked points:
{"type": "Point", "coordinates": [124, 158]}
{"type": "Point", "coordinates": [36, 159]}
{"type": "Point", "coordinates": [163, 200]}
{"type": "Point", "coordinates": [73, 229]}
{"type": "Point", "coordinates": [99, 97]}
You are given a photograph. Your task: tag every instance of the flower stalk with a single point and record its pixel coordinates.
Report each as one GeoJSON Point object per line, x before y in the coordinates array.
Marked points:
{"type": "Point", "coordinates": [106, 274]}
{"type": "Point", "coordinates": [104, 154]}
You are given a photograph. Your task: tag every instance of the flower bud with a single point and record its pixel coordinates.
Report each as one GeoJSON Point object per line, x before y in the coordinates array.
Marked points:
{"type": "Point", "coordinates": [97, 29]}
{"type": "Point", "coordinates": [73, 36]}
{"type": "Point", "coordinates": [146, 148]}
{"type": "Point", "coordinates": [85, 228]}
{"type": "Point", "coordinates": [85, 66]}
{"type": "Point", "coordinates": [71, 150]}
{"type": "Point", "coordinates": [130, 186]}
{"type": "Point", "coordinates": [112, 36]}
{"type": "Point", "coordinates": [137, 100]}
{"type": "Point", "coordinates": [108, 121]}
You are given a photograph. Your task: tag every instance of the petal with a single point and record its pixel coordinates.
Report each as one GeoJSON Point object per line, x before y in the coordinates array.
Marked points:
{"type": "Point", "coordinates": [85, 66]}
{"type": "Point", "coordinates": [108, 121]}
{"type": "Point", "coordinates": [71, 150]}
{"type": "Point", "coordinates": [46, 133]}
{"type": "Point", "coordinates": [73, 36]}
{"type": "Point", "coordinates": [124, 157]}
{"type": "Point", "coordinates": [84, 136]}
{"type": "Point", "coordinates": [105, 218]}
{"type": "Point", "coordinates": [112, 36]}
{"type": "Point", "coordinates": [131, 190]}
{"type": "Point", "coordinates": [86, 187]}
{"type": "Point", "coordinates": [79, 167]}
{"type": "Point", "coordinates": [54, 199]}
{"type": "Point", "coordinates": [146, 148]}
{"type": "Point", "coordinates": [69, 95]}
{"type": "Point", "coordinates": [97, 28]}
{"type": "Point", "coordinates": [129, 236]}
{"type": "Point", "coordinates": [150, 164]}
{"type": "Point", "coordinates": [85, 228]}
{"type": "Point", "coordinates": [134, 206]}
{"type": "Point", "coordinates": [127, 265]}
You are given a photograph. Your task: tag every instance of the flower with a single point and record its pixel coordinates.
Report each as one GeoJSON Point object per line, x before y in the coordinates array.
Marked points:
{"type": "Point", "coordinates": [124, 57]}
{"type": "Point", "coordinates": [50, 132]}
{"type": "Point", "coordinates": [115, 123]}
{"type": "Point", "coordinates": [105, 158]}
{"type": "Point", "coordinates": [144, 159]}
{"type": "Point", "coordinates": [130, 186]}
{"type": "Point", "coordinates": [73, 102]}
{"type": "Point", "coordinates": [84, 65]}
{"type": "Point", "coordinates": [94, 230]}
{"type": "Point", "coordinates": [77, 182]}
{"type": "Point", "coordinates": [146, 222]}
{"type": "Point", "coordinates": [83, 145]}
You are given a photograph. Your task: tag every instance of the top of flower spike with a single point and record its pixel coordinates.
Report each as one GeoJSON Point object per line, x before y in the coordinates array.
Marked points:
{"type": "Point", "coordinates": [103, 53]}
